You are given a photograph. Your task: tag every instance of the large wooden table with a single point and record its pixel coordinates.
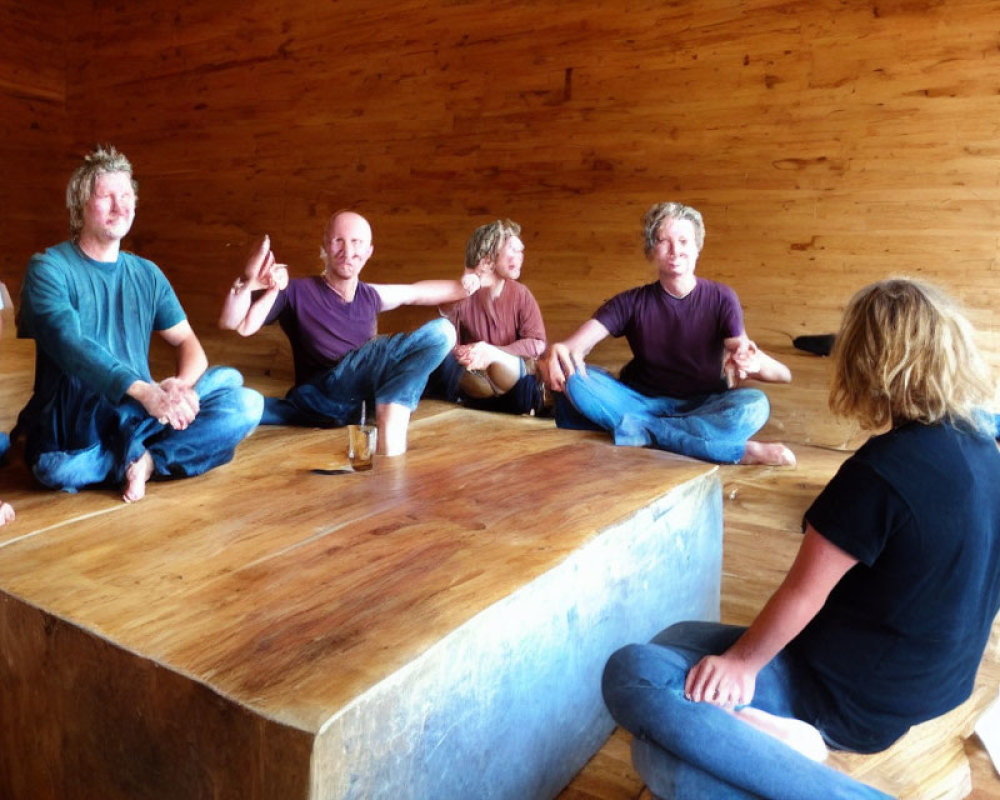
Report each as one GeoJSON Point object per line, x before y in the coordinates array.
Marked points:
{"type": "Point", "coordinates": [433, 628]}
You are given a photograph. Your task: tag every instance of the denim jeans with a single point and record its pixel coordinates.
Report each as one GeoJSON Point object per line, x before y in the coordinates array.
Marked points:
{"type": "Point", "coordinates": [228, 413]}
{"type": "Point", "coordinates": [713, 427]}
{"type": "Point", "coordinates": [386, 369]}
{"type": "Point", "coordinates": [685, 749]}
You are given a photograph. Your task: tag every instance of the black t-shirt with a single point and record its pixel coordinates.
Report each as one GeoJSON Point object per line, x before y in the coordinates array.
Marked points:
{"type": "Point", "coordinates": [901, 636]}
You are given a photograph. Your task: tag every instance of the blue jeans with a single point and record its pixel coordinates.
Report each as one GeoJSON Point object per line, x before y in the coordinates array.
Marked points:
{"type": "Point", "coordinates": [713, 427]}
{"type": "Point", "coordinates": [386, 369]}
{"type": "Point", "coordinates": [119, 434]}
{"type": "Point", "coordinates": [685, 749]}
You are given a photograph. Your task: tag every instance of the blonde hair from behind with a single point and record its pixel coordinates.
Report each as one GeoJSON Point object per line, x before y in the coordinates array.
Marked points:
{"type": "Point", "coordinates": [906, 353]}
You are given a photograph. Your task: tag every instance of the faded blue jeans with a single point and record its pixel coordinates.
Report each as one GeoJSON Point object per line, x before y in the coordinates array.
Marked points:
{"type": "Point", "coordinates": [113, 436]}
{"type": "Point", "coordinates": [386, 369]}
{"type": "Point", "coordinates": [713, 427]}
{"type": "Point", "coordinates": [696, 751]}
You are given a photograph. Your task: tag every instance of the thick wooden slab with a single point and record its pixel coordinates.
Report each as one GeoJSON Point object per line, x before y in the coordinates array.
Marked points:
{"type": "Point", "coordinates": [270, 624]}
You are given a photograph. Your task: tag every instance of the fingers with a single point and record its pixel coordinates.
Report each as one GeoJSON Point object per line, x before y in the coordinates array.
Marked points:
{"type": "Point", "coordinates": [257, 258]}
{"type": "Point", "coordinates": [179, 404]}
{"type": "Point", "coordinates": [552, 373]}
{"type": "Point", "coordinates": [568, 363]}
{"type": "Point", "coordinates": [279, 274]}
{"type": "Point", "coordinates": [709, 681]}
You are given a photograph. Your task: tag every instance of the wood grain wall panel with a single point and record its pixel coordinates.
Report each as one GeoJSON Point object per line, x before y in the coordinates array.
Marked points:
{"type": "Point", "coordinates": [827, 143]}
{"type": "Point", "coordinates": [33, 132]}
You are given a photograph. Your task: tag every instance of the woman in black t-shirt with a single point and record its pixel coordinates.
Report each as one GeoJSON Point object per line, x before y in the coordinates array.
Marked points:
{"type": "Point", "coordinates": [885, 613]}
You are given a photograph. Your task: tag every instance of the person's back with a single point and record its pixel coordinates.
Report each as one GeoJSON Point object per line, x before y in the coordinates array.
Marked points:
{"type": "Point", "coordinates": [900, 637]}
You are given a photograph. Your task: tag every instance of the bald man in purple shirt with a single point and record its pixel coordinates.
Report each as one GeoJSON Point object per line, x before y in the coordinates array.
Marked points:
{"type": "Point", "coordinates": [331, 322]}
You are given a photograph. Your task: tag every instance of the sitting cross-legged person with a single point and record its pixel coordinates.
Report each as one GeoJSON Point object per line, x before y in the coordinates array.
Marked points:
{"type": "Point", "coordinates": [500, 330]}
{"type": "Point", "coordinates": [883, 618]}
{"type": "Point", "coordinates": [96, 415]}
{"type": "Point", "coordinates": [331, 321]}
{"type": "Point", "coordinates": [682, 391]}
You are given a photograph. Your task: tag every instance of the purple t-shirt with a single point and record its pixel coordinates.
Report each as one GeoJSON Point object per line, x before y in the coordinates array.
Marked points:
{"type": "Point", "coordinates": [677, 344]}
{"type": "Point", "coordinates": [321, 326]}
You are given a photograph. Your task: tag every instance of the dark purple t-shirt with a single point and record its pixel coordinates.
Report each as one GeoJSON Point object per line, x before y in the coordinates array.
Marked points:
{"type": "Point", "coordinates": [321, 326]}
{"type": "Point", "coordinates": [677, 344]}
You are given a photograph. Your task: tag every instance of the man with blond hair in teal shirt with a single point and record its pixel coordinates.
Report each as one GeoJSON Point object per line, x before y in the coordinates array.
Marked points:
{"type": "Point", "coordinates": [97, 415]}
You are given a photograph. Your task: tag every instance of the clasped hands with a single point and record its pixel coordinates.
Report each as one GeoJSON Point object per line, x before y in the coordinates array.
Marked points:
{"type": "Point", "coordinates": [475, 356]}
{"type": "Point", "coordinates": [171, 402]}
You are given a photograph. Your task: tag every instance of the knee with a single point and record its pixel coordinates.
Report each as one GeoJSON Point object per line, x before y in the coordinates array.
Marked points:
{"type": "Point", "coordinates": [251, 405]}
{"type": "Point", "coordinates": [442, 333]}
{"type": "Point", "coordinates": [757, 401]}
{"type": "Point", "coordinates": [683, 633]}
{"type": "Point", "coordinates": [219, 378]}
{"type": "Point", "coordinates": [622, 671]}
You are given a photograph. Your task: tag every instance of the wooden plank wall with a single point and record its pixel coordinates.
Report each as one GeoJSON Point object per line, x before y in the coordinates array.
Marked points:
{"type": "Point", "coordinates": [34, 132]}
{"type": "Point", "coordinates": [827, 142]}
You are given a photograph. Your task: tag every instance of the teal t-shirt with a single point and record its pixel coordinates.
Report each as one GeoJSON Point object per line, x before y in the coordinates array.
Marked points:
{"type": "Point", "coordinates": [92, 319]}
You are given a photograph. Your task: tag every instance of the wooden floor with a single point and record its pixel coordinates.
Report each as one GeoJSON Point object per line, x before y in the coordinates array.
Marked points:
{"type": "Point", "coordinates": [763, 508]}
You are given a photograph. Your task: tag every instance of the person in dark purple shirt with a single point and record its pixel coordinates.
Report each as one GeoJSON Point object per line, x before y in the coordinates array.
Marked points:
{"type": "Point", "coordinates": [331, 322]}
{"type": "Point", "coordinates": [682, 391]}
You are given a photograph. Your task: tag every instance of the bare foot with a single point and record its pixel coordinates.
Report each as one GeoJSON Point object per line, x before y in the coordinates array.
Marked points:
{"type": "Point", "coordinates": [136, 476]}
{"type": "Point", "coordinates": [774, 454]}
{"type": "Point", "coordinates": [800, 736]}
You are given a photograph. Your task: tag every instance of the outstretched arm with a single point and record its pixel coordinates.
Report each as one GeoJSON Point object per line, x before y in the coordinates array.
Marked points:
{"type": "Point", "coordinates": [729, 679]}
{"type": "Point", "coordinates": [564, 358]}
{"type": "Point", "coordinates": [425, 293]}
{"type": "Point", "coordinates": [744, 361]}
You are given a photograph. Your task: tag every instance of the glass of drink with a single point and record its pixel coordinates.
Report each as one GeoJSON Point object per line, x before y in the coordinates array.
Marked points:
{"type": "Point", "coordinates": [361, 443]}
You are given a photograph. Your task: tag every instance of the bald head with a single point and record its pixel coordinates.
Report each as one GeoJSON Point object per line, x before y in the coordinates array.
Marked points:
{"type": "Point", "coordinates": [347, 245]}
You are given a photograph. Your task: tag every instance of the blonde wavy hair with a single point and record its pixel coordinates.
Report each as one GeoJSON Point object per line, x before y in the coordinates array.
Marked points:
{"type": "Point", "coordinates": [906, 353]}
{"type": "Point", "coordinates": [660, 213]}
{"type": "Point", "coordinates": [102, 160]}
{"type": "Point", "coordinates": [488, 240]}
